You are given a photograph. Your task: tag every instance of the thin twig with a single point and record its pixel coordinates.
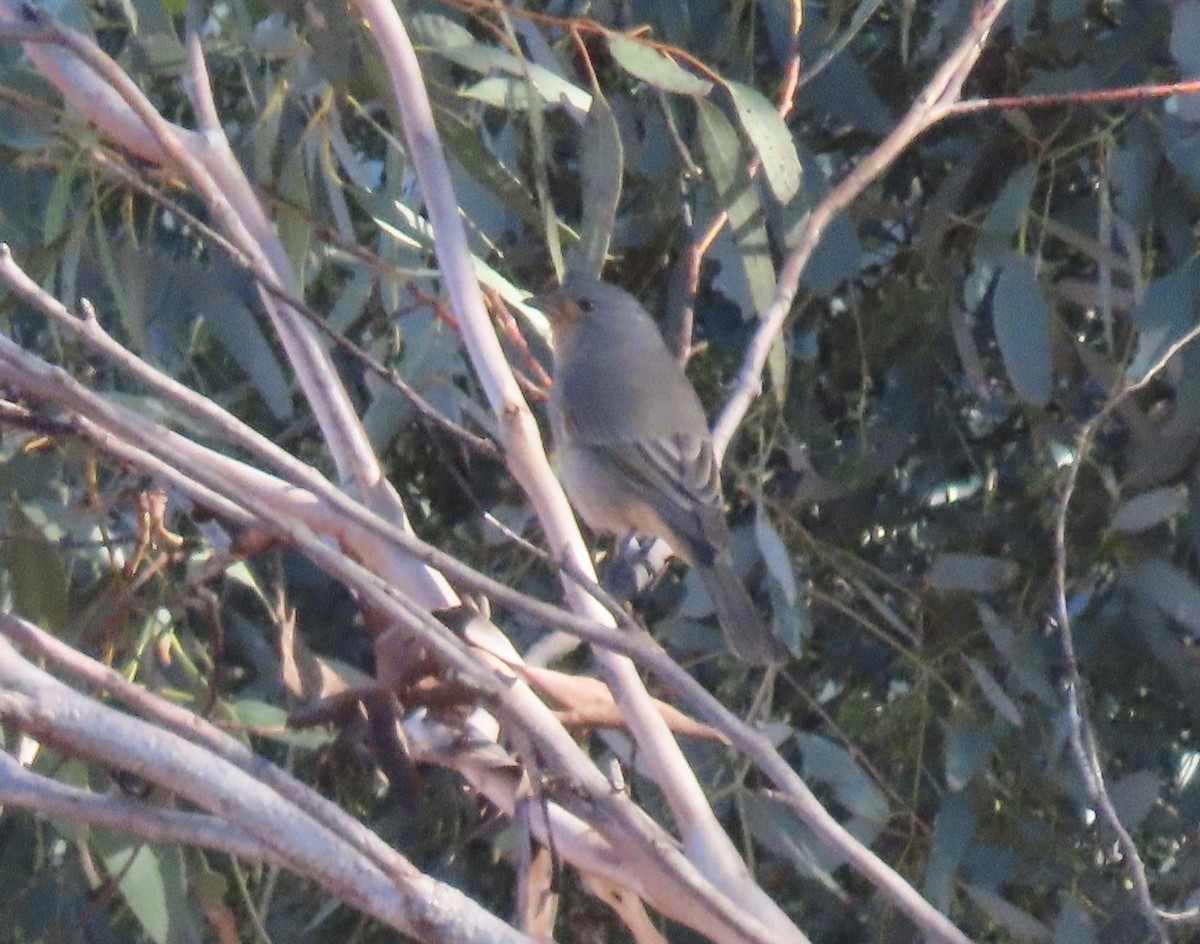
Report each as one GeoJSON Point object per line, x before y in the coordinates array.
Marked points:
{"type": "Point", "coordinates": [409, 901]}
{"type": "Point", "coordinates": [274, 512]}
{"type": "Point", "coordinates": [1131, 93]}
{"type": "Point", "coordinates": [1083, 741]}
{"type": "Point", "coordinates": [931, 107]}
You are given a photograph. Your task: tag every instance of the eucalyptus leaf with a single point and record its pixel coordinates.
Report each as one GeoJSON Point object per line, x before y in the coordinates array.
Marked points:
{"type": "Point", "coordinates": [508, 91]}
{"type": "Point", "coordinates": [953, 834]}
{"type": "Point", "coordinates": [994, 692]}
{"type": "Point", "coordinates": [771, 137]}
{"type": "Point", "coordinates": [1169, 309]}
{"type": "Point", "coordinates": [1005, 217]}
{"type": "Point", "coordinates": [1135, 795]}
{"type": "Point", "coordinates": [38, 578]}
{"type": "Point", "coordinates": [830, 763]}
{"type": "Point", "coordinates": [969, 747]}
{"type": "Point", "coordinates": [976, 573]}
{"type": "Point", "coordinates": [473, 152]}
{"type": "Point", "coordinates": [1074, 924]}
{"type": "Point", "coordinates": [162, 298]}
{"type": "Point", "coordinates": [270, 721]}
{"type": "Point", "coordinates": [151, 883]}
{"type": "Point", "coordinates": [1168, 587]}
{"type": "Point", "coordinates": [1024, 654]}
{"type": "Point", "coordinates": [725, 161]}
{"type": "Point", "coordinates": [775, 553]}
{"type": "Point", "coordinates": [1022, 320]}
{"type": "Point", "coordinates": [780, 829]}
{"type": "Point", "coordinates": [1149, 509]}
{"type": "Point", "coordinates": [436, 31]}
{"type": "Point", "coordinates": [644, 62]}
{"type": "Point", "coordinates": [603, 165]}
{"type": "Point", "coordinates": [1185, 27]}
{"type": "Point", "coordinates": [294, 219]}
{"type": "Point", "coordinates": [1015, 920]}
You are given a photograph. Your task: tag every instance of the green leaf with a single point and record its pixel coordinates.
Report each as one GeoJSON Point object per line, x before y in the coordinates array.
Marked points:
{"type": "Point", "coordinates": [437, 31]}
{"type": "Point", "coordinates": [725, 162]}
{"type": "Point", "coordinates": [411, 230]}
{"type": "Point", "coordinates": [150, 883]}
{"type": "Point", "coordinates": [1022, 321]}
{"type": "Point", "coordinates": [23, 127]}
{"type": "Point", "coordinates": [270, 722]}
{"type": "Point", "coordinates": [832, 764]}
{"type": "Point", "coordinates": [38, 578]}
{"type": "Point", "coordinates": [162, 298]}
{"type": "Point", "coordinates": [352, 300]}
{"type": "Point", "coordinates": [721, 150]}
{"type": "Point", "coordinates": [1169, 309]}
{"type": "Point", "coordinates": [995, 694]}
{"type": "Point", "coordinates": [969, 747]}
{"type": "Point", "coordinates": [1134, 796]}
{"type": "Point", "coordinates": [953, 834]}
{"type": "Point", "coordinates": [1074, 924]}
{"type": "Point", "coordinates": [975, 573]}
{"type": "Point", "coordinates": [777, 365]}
{"type": "Point", "coordinates": [258, 714]}
{"type": "Point", "coordinates": [603, 165]}
{"type": "Point", "coordinates": [464, 142]}
{"type": "Point", "coordinates": [294, 217]}
{"type": "Point", "coordinates": [838, 254]}
{"type": "Point", "coordinates": [55, 217]}
{"type": "Point", "coordinates": [1015, 920]}
{"type": "Point", "coordinates": [265, 133]}
{"type": "Point", "coordinates": [1185, 27]}
{"type": "Point", "coordinates": [1149, 509]}
{"type": "Point", "coordinates": [771, 137]}
{"type": "Point", "coordinates": [1024, 655]}
{"type": "Point", "coordinates": [1005, 216]}
{"type": "Point", "coordinates": [793, 620]}
{"type": "Point", "coordinates": [131, 13]}
{"type": "Point", "coordinates": [1169, 588]}
{"type": "Point", "coordinates": [508, 90]}
{"type": "Point", "coordinates": [644, 62]}
{"type": "Point", "coordinates": [780, 829]}
{"type": "Point", "coordinates": [775, 554]}
{"type": "Point", "coordinates": [154, 16]}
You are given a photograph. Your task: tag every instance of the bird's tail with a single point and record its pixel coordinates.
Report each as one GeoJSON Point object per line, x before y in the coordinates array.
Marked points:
{"type": "Point", "coordinates": [748, 637]}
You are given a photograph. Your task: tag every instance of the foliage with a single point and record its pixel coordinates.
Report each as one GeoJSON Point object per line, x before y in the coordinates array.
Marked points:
{"type": "Point", "coordinates": [894, 491]}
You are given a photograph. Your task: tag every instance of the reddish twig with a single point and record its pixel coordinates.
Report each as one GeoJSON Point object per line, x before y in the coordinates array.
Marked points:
{"type": "Point", "coordinates": [1132, 93]}
{"type": "Point", "coordinates": [504, 318]}
{"type": "Point", "coordinates": [700, 248]}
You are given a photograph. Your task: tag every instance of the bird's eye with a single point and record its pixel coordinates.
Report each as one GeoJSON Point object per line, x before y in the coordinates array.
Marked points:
{"type": "Point", "coordinates": [585, 305]}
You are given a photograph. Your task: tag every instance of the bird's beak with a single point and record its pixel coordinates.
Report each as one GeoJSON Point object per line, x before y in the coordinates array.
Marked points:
{"type": "Point", "coordinates": [555, 303]}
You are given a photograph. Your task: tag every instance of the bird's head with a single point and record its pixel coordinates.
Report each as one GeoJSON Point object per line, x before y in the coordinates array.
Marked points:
{"type": "Point", "coordinates": [581, 301]}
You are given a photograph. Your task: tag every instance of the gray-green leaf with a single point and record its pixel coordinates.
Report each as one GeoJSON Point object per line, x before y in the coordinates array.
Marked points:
{"type": "Point", "coordinates": [1022, 324]}
{"type": "Point", "coordinates": [658, 69]}
{"type": "Point", "coordinates": [771, 139]}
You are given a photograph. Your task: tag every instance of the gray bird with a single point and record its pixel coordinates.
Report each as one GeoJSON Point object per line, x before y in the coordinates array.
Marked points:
{"type": "Point", "coordinates": [634, 449]}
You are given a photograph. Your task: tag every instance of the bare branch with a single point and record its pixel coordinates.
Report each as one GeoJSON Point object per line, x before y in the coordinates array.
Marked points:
{"type": "Point", "coordinates": [706, 842]}
{"type": "Point", "coordinates": [23, 789]}
{"type": "Point", "coordinates": [54, 714]}
{"type": "Point", "coordinates": [932, 105]}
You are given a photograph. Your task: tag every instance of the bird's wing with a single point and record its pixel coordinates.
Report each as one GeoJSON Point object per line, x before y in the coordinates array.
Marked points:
{"type": "Point", "coordinates": [677, 477]}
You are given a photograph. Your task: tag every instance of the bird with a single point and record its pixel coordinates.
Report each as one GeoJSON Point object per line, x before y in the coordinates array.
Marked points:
{"type": "Point", "coordinates": [634, 451]}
